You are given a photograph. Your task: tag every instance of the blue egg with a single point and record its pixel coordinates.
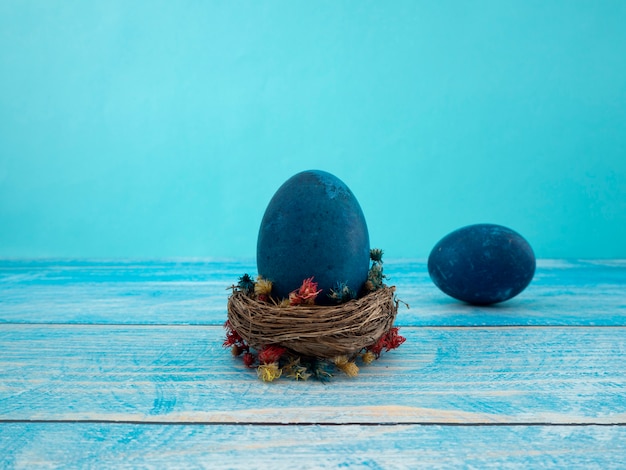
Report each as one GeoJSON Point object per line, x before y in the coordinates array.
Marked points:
{"type": "Point", "coordinates": [482, 264]}
{"type": "Point", "coordinates": [313, 227]}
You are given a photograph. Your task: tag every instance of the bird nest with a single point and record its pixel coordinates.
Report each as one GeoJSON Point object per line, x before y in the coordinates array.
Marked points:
{"type": "Point", "coordinates": [323, 332]}
{"type": "Point", "coordinates": [298, 338]}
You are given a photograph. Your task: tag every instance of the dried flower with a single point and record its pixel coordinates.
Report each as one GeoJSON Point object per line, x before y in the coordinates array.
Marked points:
{"type": "Point", "coordinates": [269, 372]}
{"type": "Point", "coordinates": [377, 347]}
{"type": "Point", "coordinates": [368, 357]}
{"type": "Point", "coordinates": [263, 289]}
{"type": "Point", "coordinates": [341, 293]}
{"type": "Point", "coordinates": [246, 285]}
{"type": "Point", "coordinates": [271, 354]}
{"type": "Point", "coordinates": [319, 369]}
{"type": "Point", "coordinates": [375, 277]}
{"type": "Point", "coordinates": [376, 255]}
{"type": "Point", "coordinates": [300, 373]}
{"type": "Point", "coordinates": [349, 368]}
{"type": "Point", "coordinates": [388, 341]}
{"type": "Point", "coordinates": [234, 339]}
{"type": "Point", "coordinates": [293, 369]}
{"type": "Point", "coordinates": [249, 359]}
{"type": "Point", "coordinates": [393, 340]}
{"type": "Point", "coordinates": [375, 274]}
{"type": "Point", "coordinates": [306, 294]}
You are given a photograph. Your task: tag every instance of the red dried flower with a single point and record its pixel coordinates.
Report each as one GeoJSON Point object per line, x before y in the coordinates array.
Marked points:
{"type": "Point", "coordinates": [306, 294]}
{"type": "Point", "coordinates": [234, 339]}
{"type": "Point", "coordinates": [378, 346]}
{"type": "Point", "coordinates": [248, 359]}
{"type": "Point", "coordinates": [394, 340]}
{"type": "Point", "coordinates": [270, 354]}
{"type": "Point", "coordinates": [388, 341]}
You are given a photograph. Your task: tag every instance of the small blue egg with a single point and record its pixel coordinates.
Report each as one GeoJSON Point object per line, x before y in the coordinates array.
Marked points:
{"type": "Point", "coordinates": [482, 264]}
{"type": "Point", "coordinates": [313, 227]}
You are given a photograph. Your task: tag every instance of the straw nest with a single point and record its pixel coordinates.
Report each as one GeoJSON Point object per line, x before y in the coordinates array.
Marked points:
{"type": "Point", "coordinates": [315, 330]}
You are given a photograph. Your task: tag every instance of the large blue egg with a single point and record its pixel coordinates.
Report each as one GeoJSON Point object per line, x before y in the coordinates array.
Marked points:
{"type": "Point", "coordinates": [482, 264]}
{"type": "Point", "coordinates": [313, 226]}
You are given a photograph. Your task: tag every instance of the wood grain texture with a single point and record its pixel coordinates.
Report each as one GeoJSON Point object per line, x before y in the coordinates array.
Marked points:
{"type": "Point", "coordinates": [440, 375]}
{"type": "Point", "coordinates": [93, 445]}
{"type": "Point", "coordinates": [195, 292]}
{"type": "Point", "coordinates": [119, 364]}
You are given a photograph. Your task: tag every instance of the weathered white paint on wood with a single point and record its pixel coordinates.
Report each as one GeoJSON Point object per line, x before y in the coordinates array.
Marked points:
{"type": "Point", "coordinates": [194, 292]}
{"type": "Point", "coordinates": [94, 445]}
{"type": "Point", "coordinates": [442, 375]}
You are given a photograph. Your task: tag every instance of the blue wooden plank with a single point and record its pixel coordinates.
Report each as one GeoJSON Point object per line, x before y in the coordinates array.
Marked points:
{"type": "Point", "coordinates": [134, 361]}
{"type": "Point", "coordinates": [194, 292]}
{"type": "Point", "coordinates": [94, 445]}
{"type": "Point", "coordinates": [116, 291]}
{"type": "Point", "coordinates": [558, 375]}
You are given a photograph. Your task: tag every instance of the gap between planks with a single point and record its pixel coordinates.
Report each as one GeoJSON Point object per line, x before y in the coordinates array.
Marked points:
{"type": "Point", "coordinates": [305, 423]}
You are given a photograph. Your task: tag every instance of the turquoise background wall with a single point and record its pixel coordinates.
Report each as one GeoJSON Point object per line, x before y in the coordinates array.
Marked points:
{"type": "Point", "coordinates": [162, 128]}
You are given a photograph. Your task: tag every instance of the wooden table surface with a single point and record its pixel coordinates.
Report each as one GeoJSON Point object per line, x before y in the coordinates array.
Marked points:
{"type": "Point", "coordinates": [120, 364]}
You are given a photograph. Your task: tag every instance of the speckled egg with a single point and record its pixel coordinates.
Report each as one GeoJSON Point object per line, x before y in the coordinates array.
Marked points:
{"type": "Point", "coordinates": [482, 264]}
{"type": "Point", "coordinates": [313, 227]}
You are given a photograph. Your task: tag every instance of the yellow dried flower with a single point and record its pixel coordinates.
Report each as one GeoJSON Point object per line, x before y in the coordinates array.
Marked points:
{"type": "Point", "coordinates": [368, 357]}
{"type": "Point", "coordinates": [348, 368]}
{"type": "Point", "coordinates": [269, 372]}
{"type": "Point", "coordinates": [262, 287]}
{"type": "Point", "coordinates": [340, 360]}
